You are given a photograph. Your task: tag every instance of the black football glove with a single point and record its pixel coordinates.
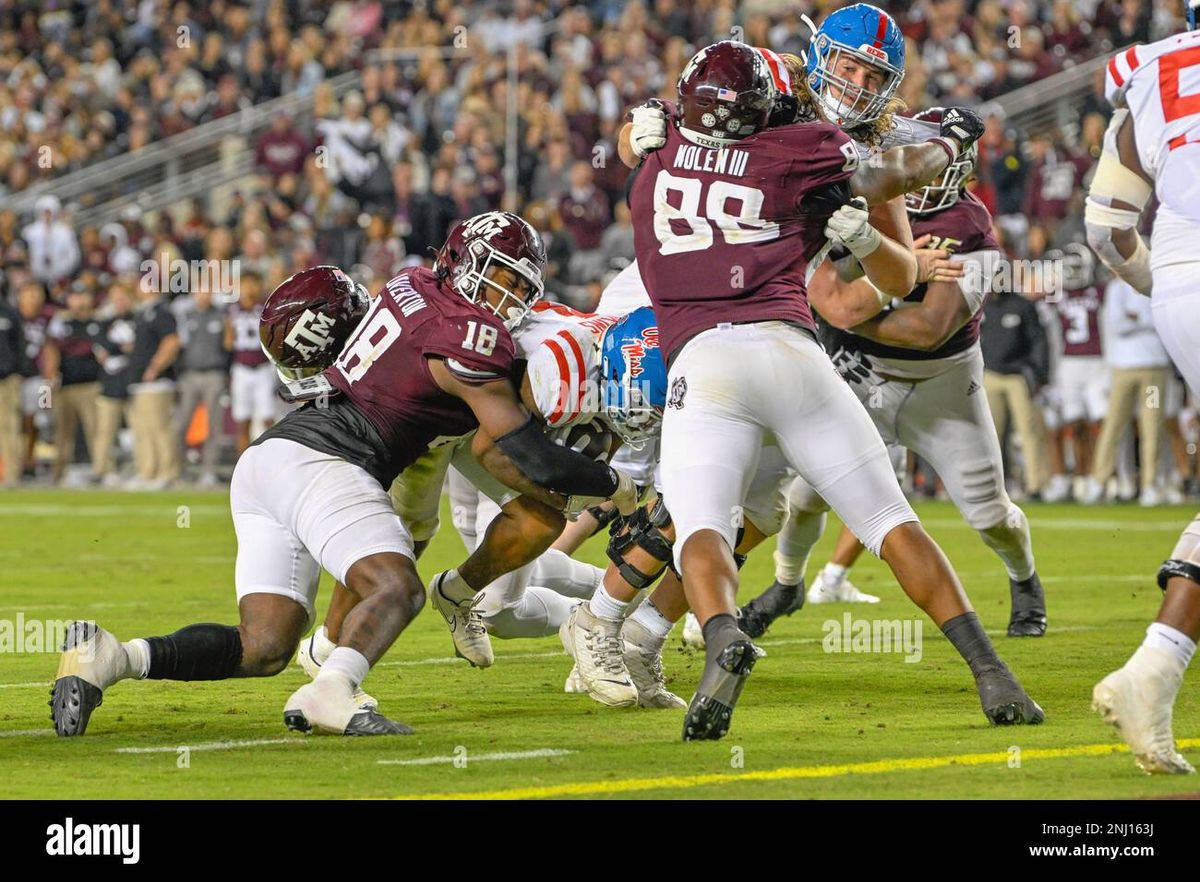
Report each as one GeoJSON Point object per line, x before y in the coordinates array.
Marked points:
{"type": "Point", "coordinates": [963, 125]}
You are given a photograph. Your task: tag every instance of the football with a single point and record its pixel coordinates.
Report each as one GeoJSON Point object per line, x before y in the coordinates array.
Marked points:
{"type": "Point", "coordinates": [593, 440]}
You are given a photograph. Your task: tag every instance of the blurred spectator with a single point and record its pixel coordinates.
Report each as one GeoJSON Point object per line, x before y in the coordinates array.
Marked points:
{"type": "Point", "coordinates": [72, 369]}
{"type": "Point", "coordinates": [152, 373]}
{"type": "Point", "coordinates": [12, 354]}
{"type": "Point", "coordinates": [1139, 366]}
{"type": "Point", "coordinates": [1016, 362]}
{"type": "Point", "coordinates": [281, 149]}
{"type": "Point", "coordinates": [53, 248]}
{"type": "Point", "coordinates": [559, 245]}
{"type": "Point", "coordinates": [35, 393]}
{"type": "Point", "coordinates": [252, 380]}
{"type": "Point", "coordinates": [204, 369]}
{"type": "Point", "coordinates": [585, 214]}
{"type": "Point", "coordinates": [113, 347]}
{"type": "Point", "coordinates": [1055, 176]}
{"type": "Point", "coordinates": [616, 245]}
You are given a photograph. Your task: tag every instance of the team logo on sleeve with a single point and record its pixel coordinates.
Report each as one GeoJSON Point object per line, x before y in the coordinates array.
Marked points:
{"type": "Point", "coordinates": [678, 391]}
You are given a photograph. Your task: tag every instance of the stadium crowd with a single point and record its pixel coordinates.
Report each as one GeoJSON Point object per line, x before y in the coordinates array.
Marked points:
{"type": "Point", "coordinates": [378, 176]}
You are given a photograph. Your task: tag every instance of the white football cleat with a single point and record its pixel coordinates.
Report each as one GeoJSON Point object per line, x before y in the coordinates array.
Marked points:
{"type": "Point", "coordinates": [643, 659]}
{"type": "Point", "coordinates": [305, 656]}
{"type": "Point", "coordinates": [575, 684]}
{"type": "Point", "coordinates": [693, 634]}
{"type": "Point", "coordinates": [92, 660]}
{"type": "Point", "coordinates": [1058, 489]}
{"type": "Point", "coordinates": [834, 589]}
{"type": "Point", "coordinates": [327, 705]}
{"type": "Point", "coordinates": [595, 644]}
{"type": "Point", "coordinates": [467, 630]}
{"type": "Point", "coordinates": [1137, 700]}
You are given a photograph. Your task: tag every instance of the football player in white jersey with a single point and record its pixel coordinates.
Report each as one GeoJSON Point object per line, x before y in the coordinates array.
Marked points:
{"type": "Point", "coordinates": [1153, 144]}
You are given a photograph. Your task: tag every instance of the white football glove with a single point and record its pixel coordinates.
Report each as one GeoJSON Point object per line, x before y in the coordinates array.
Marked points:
{"type": "Point", "coordinates": [850, 225]}
{"type": "Point", "coordinates": [649, 129]}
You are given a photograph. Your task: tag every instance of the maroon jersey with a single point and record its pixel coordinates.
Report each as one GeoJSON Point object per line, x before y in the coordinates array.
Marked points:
{"type": "Point", "coordinates": [247, 350]}
{"type": "Point", "coordinates": [35, 340]}
{"type": "Point", "coordinates": [726, 235]}
{"type": "Point", "coordinates": [390, 410]}
{"type": "Point", "coordinates": [1079, 316]}
{"type": "Point", "coordinates": [963, 228]}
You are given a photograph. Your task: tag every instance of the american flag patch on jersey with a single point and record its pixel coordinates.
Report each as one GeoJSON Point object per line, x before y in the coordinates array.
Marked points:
{"type": "Point", "coordinates": [726, 95]}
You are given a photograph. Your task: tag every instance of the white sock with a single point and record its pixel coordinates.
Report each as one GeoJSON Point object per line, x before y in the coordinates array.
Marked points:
{"type": "Point", "coordinates": [454, 588]}
{"type": "Point", "coordinates": [835, 574]}
{"type": "Point", "coordinates": [321, 645]}
{"type": "Point", "coordinates": [789, 568]}
{"type": "Point", "coordinates": [1171, 641]}
{"type": "Point", "coordinates": [347, 663]}
{"type": "Point", "coordinates": [648, 616]}
{"type": "Point", "coordinates": [605, 607]}
{"type": "Point", "coordinates": [138, 653]}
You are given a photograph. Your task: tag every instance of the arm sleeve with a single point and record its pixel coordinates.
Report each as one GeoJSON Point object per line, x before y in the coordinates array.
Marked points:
{"type": "Point", "coordinates": [979, 272]}
{"type": "Point", "coordinates": [555, 467]}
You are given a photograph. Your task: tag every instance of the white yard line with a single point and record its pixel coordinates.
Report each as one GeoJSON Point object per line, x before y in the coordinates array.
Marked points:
{"type": "Point", "coordinates": [469, 758]}
{"type": "Point", "coordinates": [210, 745]}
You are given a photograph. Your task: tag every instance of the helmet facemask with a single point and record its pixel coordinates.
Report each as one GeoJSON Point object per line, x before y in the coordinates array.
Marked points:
{"type": "Point", "coordinates": [945, 189]}
{"type": "Point", "coordinates": [474, 276]}
{"type": "Point", "coordinates": [842, 102]}
{"type": "Point", "coordinates": [627, 408]}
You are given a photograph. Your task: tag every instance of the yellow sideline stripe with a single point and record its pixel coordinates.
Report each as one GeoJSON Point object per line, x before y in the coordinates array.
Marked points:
{"type": "Point", "coordinates": [903, 764]}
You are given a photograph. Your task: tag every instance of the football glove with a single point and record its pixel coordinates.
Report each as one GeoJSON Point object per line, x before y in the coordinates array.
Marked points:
{"type": "Point", "coordinates": [850, 226]}
{"type": "Point", "coordinates": [649, 129]}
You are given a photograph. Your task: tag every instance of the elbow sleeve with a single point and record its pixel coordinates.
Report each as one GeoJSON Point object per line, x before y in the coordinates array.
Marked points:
{"type": "Point", "coordinates": [556, 468]}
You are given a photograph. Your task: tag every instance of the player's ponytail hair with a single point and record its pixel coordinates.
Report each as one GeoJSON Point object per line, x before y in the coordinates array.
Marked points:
{"type": "Point", "coordinates": [871, 133]}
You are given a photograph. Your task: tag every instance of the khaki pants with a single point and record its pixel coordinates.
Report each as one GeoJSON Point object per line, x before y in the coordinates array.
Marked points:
{"type": "Point", "coordinates": [155, 444]}
{"type": "Point", "coordinates": [1146, 390]}
{"type": "Point", "coordinates": [108, 423]}
{"type": "Point", "coordinates": [1009, 394]}
{"type": "Point", "coordinates": [206, 386]}
{"type": "Point", "coordinates": [11, 441]}
{"type": "Point", "coordinates": [72, 405]}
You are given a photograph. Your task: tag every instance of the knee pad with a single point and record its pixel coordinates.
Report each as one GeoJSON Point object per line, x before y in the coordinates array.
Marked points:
{"type": "Point", "coordinates": [1185, 559]}
{"type": "Point", "coordinates": [642, 529]}
{"type": "Point", "coordinates": [604, 516]}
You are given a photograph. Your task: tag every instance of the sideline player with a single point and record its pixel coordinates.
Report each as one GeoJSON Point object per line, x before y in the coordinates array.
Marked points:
{"type": "Point", "coordinates": [1153, 144]}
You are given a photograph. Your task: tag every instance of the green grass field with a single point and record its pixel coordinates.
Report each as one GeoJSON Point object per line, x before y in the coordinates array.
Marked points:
{"type": "Point", "coordinates": [810, 723]}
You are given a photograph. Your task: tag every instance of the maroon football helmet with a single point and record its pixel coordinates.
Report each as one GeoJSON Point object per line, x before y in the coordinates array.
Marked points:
{"type": "Point", "coordinates": [945, 189]}
{"type": "Point", "coordinates": [725, 93]}
{"type": "Point", "coordinates": [485, 242]}
{"type": "Point", "coordinates": [308, 318]}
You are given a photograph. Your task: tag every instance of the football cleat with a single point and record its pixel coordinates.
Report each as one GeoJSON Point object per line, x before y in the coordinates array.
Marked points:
{"type": "Point", "coordinates": [837, 589]}
{"type": "Point", "coordinates": [467, 630]}
{"type": "Point", "coordinates": [643, 659]}
{"type": "Point", "coordinates": [693, 634]}
{"type": "Point", "coordinates": [1028, 617]}
{"type": "Point", "coordinates": [575, 684]}
{"type": "Point", "coordinates": [595, 644]}
{"type": "Point", "coordinates": [328, 706]}
{"type": "Point", "coordinates": [1137, 701]}
{"type": "Point", "coordinates": [711, 711]}
{"type": "Point", "coordinates": [308, 661]}
{"type": "Point", "coordinates": [1004, 701]}
{"type": "Point", "coordinates": [760, 613]}
{"type": "Point", "coordinates": [92, 660]}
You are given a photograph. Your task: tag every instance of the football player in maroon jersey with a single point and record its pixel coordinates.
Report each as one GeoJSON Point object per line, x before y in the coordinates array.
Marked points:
{"type": "Point", "coordinates": [917, 368]}
{"type": "Point", "coordinates": [727, 216]}
{"type": "Point", "coordinates": [430, 361]}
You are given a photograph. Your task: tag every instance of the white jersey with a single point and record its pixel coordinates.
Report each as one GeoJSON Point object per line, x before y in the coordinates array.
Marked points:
{"type": "Point", "coordinates": [1160, 85]}
{"type": "Point", "coordinates": [562, 347]}
{"type": "Point", "coordinates": [625, 293]}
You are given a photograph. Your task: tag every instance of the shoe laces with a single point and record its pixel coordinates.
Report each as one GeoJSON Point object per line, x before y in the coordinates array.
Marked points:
{"type": "Point", "coordinates": [608, 648]}
{"type": "Point", "coordinates": [472, 617]}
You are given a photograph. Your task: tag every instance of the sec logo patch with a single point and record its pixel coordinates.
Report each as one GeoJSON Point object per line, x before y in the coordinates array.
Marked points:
{"type": "Point", "coordinates": [678, 391]}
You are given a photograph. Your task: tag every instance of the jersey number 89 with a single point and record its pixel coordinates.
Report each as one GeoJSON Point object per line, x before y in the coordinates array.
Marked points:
{"type": "Point", "coordinates": [744, 227]}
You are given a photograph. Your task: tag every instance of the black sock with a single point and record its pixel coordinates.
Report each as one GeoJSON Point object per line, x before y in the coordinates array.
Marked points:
{"type": "Point", "coordinates": [967, 634]}
{"type": "Point", "coordinates": [197, 652]}
{"type": "Point", "coordinates": [719, 631]}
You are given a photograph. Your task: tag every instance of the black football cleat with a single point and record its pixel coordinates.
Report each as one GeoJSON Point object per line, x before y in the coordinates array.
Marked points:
{"type": "Point", "coordinates": [711, 710]}
{"type": "Point", "coordinates": [1004, 701]}
{"type": "Point", "coordinates": [72, 700]}
{"type": "Point", "coordinates": [1028, 618]}
{"type": "Point", "coordinates": [89, 663]}
{"type": "Point", "coordinates": [366, 722]}
{"type": "Point", "coordinates": [760, 613]}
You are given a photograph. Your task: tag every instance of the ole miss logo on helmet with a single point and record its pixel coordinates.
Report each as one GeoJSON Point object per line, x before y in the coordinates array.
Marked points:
{"type": "Point", "coordinates": [635, 351]}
